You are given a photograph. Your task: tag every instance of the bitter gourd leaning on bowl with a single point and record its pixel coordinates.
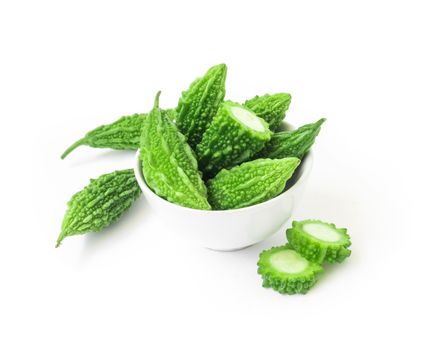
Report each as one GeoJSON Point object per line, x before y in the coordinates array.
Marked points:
{"type": "Point", "coordinates": [122, 134]}
{"type": "Point", "coordinates": [295, 143]}
{"type": "Point", "coordinates": [250, 183]}
{"type": "Point", "coordinates": [199, 104]}
{"type": "Point", "coordinates": [319, 241]}
{"type": "Point", "coordinates": [235, 135]}
{"type": "Point", "coordinates": [286, 271]}
{"type": "Point", "coordinates": [169, 165]}
{"type": "Point", "coordinates": [100, 203]}
{"type": "Point", "coordinates": [272, 108]}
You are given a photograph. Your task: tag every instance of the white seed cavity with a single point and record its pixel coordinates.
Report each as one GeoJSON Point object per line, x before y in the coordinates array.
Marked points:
{"type": "Point", "coordinates": [248, 118]}
{"type": "Point", "coordinates": [321, 231]}
{"type": "Point", "coordinates": [288, 261]}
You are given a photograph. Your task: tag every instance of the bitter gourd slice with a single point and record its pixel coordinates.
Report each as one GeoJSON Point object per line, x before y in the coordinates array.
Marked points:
{"type": "Point", "coordinates": [169, 165]}
{"type": "Point", "coordinates": [199, 104]}
{"type": "Point", "coordinates": [294, 143]}
{"type": "Point", "coordinates": [286, 271]}
{"type": "Point", "coordinates": [250, 183]}
{"type": "Point", "coordinates": [319, 241]}
{"type": "Point", "coordinates": [272, 108]}
{"type": "Point", "coordinates": [235, 135]}
{"type": "Point", "coordinates": [100, 203]}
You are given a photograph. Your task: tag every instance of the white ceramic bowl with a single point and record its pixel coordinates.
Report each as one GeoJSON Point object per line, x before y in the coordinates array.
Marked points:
{"type": "Point", "coordinates": [230, 229]}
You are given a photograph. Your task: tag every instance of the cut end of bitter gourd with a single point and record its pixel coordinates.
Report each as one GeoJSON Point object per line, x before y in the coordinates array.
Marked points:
{"type": "Point", "coordinates": [319, 241]}
{"type": "Point", "coordinates": [286, 271]}
{"type": "Point", "coordinates": [248, 118]}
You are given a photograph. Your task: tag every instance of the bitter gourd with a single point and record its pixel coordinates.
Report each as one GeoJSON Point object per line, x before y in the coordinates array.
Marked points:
{"type": "Point", "coordinates": [235, 135]}
{"type": "Point", "coordinates": [286, 271]}
{"type": "Point", "coordinates": [319, 241]}
{"type": "Point", "coordinates": [272, 108]}
{"type": "Point", "coordinates": [169, 165]}
{"type": "Point", "coordinates": [100, 203]}
{"type": "Point", "coordinates": [122, 134]}
{"type": "Point", "coordinates": [250, 183]}
{"type": "Point", "coordinates": [294, 143]}
{"type": "Point", "coordinates": [199, 104]}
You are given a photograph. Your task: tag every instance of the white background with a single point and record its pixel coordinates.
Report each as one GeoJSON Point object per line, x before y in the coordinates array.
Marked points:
{"type": "Point", "coordinates": [67, 67]}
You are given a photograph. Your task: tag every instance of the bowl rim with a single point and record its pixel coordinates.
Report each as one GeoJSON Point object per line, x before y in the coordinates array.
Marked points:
{"type": "Point", "coordinates": [306, 165]}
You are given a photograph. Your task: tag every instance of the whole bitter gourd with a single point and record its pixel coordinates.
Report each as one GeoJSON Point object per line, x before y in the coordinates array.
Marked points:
{"type": "Point", "coordinates": [319, 241]}
{"type": "Point", "coordinates": [169, 165]}
{"type": "Point", "coordinates": [295, 143]}
{"type": "Point", "coordinates": [250, 183]}
{"type": "Point", "coordinates": [235, 135]}
{"type": "Point", "coordinates": [199, 104]}
{"type": "Point", "coordinates": [286, 271]}
{"type": "Point", "coordinates": [100, 203]}
{"type": "Point", "coordinates": [122, 134]}
{"type": "Point", "coordinates": [272, 108]}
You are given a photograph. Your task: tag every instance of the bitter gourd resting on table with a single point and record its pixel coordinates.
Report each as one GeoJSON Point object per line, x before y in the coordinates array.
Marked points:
{"type": "Point", "coordinates": [286, 271]}
{"type": "Point", "coordinates": [319, 241]}
{"type": "Point", "coordinates": [271, 108]}
{"type": "Point", "coordinates": [295, 143]}
{"type": "Point", "coordinates": [250, 183]}
{"type": "Point", "coordinates": [100, 203]}
{"type": "Point", "coordinates": [199, 104]}
{"type": "Point", "coordinates": [122, 134]}
{"type": "Point", "coordinates": [169, 165]}
{"type": "Point", "coordinates": [235, 135]}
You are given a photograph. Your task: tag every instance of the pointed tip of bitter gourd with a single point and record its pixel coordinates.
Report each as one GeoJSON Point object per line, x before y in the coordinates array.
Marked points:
{"type": "Point", "coordinates": [156, 103]}
{"type": "Point", "coordinates": [319, 241]}
{"type": "Point", "coordinates": [73, 147]}
{"type": "Point", "coordinates": [286, 271]}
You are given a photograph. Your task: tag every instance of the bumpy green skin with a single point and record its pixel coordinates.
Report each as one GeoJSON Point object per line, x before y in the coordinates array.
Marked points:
{"type": "Point", "coordinates": [122, 134]}
{"type": "Point", "coordinates": [227, 142]}
{"type": "Point", "coordinates": [199, 104]}
{"type": "Point", "coordinates": [169, 165]}
{"type": "Point", "coordinates": [315, 249]}
{"type": "Point", "coordinates": [250, 183]}
{"type": "Point", "coordinates": [294, 143]}
{"type": "Point", "coordinates": [272, 108]}
{"type": "Point", "coordinates": [100, 203]}
{"type": "Point", "coordinates": [286, 283]}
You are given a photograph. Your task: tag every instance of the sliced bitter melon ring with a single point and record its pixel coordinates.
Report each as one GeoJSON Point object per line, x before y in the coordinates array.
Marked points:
{"type": "Point", "coordinates": [286, 271]}
{"type": "Point", "coordinates": [319, 241]}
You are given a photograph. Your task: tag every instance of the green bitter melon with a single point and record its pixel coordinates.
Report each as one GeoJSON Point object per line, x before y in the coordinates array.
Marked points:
{"type": "Point", "coordinates": [122, 134]}
{"type": "Point", "coordinates": [250, 183]}
{"type": "Point", "coordinates": [199, 104]}
{"type": "Point", "coordinates": [169, 165]}
{"type": "Point", "coordinates": [295, 143]}
{"type": "Point", "coordinates": [319, 241]}
{"type": "Point", "coordinates": [235, 135]}
{"type": "Point", "coordinates": [286, 271]}
{"type": "Point", "coordinates": [272, 108]}
{"type": "Point", "coordinates": [100, 203]}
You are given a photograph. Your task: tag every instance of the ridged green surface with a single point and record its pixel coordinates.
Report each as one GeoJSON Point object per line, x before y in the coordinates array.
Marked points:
{"type": "Point", "coordinates": [250, 183]}
{"type": "Point", "coordinates": [124, 133]}
{"type": "Point", "coordinates": [100, 203]}
{"type": "Point", "coordinates": [169, 165]}
{"type": "Point", "coordinates": [199, 104]}
{"type": "Point", "coordinates": [286, 282]}
{"type": "Point", "coordinates": [272, 108]}
{"type": "Point", "coordinates": [228, 142]}
{"type": "Point", "coordinates": [294, 143]}
{"type": "Point", "coordinates": [316, 249]}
